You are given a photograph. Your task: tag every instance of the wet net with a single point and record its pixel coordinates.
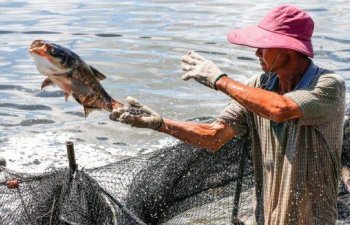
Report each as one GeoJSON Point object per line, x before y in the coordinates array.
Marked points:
{"type": "Point", "coordinates": [178, 184]}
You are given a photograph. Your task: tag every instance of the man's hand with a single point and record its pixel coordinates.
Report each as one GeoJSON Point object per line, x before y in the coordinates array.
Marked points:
{"type": "Point", "coordinates": [200, 69]}
{"type": "Point", "coordinates": [137, 115]}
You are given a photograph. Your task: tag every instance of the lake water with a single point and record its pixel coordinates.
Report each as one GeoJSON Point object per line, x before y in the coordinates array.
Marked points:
{"type": "Point", "coordinates": [137, 45]}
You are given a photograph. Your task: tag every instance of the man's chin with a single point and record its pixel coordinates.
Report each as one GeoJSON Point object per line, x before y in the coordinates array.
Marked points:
{"type": "Point", "coordinates": [263, 68]}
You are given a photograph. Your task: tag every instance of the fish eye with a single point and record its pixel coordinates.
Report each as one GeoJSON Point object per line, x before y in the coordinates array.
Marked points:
{"type": "Point", "coordinates": [53, 51]}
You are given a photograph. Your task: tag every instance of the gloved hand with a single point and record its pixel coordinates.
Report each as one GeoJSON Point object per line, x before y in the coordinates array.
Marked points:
{"type": "Point", "coordinates": [200, 69]}
{"type": "Point", "coordinates": [137, 115]}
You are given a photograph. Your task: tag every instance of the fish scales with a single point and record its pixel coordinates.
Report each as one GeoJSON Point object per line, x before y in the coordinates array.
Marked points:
{"type": "Point", "coordinates": [67, 70]}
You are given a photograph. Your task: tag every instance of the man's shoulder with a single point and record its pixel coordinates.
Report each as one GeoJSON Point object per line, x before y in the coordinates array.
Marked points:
{"type": "Point", "coordinates": [328, 77]}
{"type": "Point", "coordinates": [331, 74]}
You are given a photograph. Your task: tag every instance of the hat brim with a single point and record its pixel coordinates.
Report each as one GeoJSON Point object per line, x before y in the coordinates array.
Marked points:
{"type": "Point", "coordinates": [256, 37]}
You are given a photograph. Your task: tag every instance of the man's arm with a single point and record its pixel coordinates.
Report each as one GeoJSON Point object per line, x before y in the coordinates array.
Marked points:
{"type": "Point", "coordinates": [210, 136]}
{"type": "Point", "coordinates": [264, 103]}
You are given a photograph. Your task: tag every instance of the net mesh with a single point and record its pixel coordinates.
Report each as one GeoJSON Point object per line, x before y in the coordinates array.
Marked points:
{"type": "Point", "coordinates": [178, 184]}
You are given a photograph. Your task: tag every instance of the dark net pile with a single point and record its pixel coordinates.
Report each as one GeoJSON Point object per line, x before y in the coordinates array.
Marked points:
{"type": "Point", "coordinates": [178, 184]}
{"type": "Point", "coordinates": [155, 187]}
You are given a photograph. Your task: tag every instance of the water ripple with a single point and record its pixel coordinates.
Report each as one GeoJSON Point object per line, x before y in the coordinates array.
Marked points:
{"type": "Point", "coordinates": [108, 35]}
{"type": "Point", "coordinates": [7, 32]}
{"type": "Point", "coordinates": [31, 122]}
{"type": "Point", "coordinates": [102, 138]}
{"type": "Point", "coordinates": [120, 143]}
{"type": "Point", "coordinates": [75, 113]}
{"type": "Point", "coordinates": [40, 32]}
{"type": "Point", "coordinates": [339, 40]}
{"type": "Point", "coordinates": [49, 94]}
{"type": "Point", "coordinates": [24, 107]}
{"type": "Point", "coordinates": [317, 10]}
{"type": "Point", "coordinates": [211, 52]}
{"type": "Point", "coordinates": [245, 58]}
{"type": "Point", "coordinates": [8, 114]}
{"type": "Point", "coordinates": [16, 87]}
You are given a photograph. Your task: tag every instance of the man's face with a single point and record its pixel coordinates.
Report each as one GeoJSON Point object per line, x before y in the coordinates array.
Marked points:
{"type": "Point", "coordinates": [270, 58]}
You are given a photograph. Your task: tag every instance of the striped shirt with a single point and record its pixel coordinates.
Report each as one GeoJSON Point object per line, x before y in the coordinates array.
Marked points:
{"type": "Point", "coordinates": [297, 162]}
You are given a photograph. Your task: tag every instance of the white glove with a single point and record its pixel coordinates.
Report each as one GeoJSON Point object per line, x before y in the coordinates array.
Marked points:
{"type": "Point", "coordinates": [137, 115]}
{"type": "Point", "coordinates": [200, 69]}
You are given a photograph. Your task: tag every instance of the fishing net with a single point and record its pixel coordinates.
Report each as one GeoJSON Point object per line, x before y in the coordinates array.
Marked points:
{"type": "Point", "coordinates": [178, 184]}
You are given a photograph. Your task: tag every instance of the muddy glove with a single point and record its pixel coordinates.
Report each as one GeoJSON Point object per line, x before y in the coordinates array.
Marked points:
{"type": "Point", "coordinates": [200, 69]}
{"type": "Point", "coordinates": [137, 115]}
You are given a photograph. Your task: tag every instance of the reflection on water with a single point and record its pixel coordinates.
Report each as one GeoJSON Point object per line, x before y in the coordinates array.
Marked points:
{"type": "Point", "coordinates": [138, 45]}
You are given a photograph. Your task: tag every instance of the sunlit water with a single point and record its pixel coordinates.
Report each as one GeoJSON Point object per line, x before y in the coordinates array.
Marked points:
{"type": "Point", "coordinates": [137, 45]}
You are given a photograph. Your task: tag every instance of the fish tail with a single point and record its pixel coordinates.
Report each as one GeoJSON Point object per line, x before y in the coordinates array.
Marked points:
{"type": "Point", "coordinates": [115, 104]}
{"type": "Point", "coordinates": [109, 102]}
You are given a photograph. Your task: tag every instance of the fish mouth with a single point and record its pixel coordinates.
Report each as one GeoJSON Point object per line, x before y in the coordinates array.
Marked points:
{"type": "Point", "coordinates": [39, 47]}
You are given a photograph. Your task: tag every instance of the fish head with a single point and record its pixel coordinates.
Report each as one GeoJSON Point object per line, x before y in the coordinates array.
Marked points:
{"type": "Point", "coordinates": [52, 59]}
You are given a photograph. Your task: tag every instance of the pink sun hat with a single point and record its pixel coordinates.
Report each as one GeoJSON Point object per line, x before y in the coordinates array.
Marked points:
{"type": "Point", "coordinates": [283, 27]}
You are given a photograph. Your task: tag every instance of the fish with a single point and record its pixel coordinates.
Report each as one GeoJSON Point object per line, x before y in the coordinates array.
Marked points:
{"type": "Point", "coordinates": [65, 69]}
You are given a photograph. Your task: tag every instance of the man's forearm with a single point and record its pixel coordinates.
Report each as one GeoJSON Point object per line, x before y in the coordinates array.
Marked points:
{"type": "Point", "coordinates": [264, 103]}
{"type": "Point", "coordinates": [209, 136]}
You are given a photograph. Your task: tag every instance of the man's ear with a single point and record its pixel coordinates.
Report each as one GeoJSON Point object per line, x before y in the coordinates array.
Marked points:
{"type": "Point", "coordinates": [290, 52]}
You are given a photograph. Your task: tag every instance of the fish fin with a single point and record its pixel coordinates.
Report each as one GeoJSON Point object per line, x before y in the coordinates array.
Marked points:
{"type": "Point", "coordinates": [76, 97]}
{"type": "Point", "coordinates": [80, 88]}
{"type": "Point", "coordinates": [68, 74]}
{"type": "Point", "coordinates": [98, 74]}
{"type": "Point", "coordinates": [66, 96]}
{"type": "Point", "coordinates": [46, 82]}
{"type": "Point", "coordinates": [88, 110]}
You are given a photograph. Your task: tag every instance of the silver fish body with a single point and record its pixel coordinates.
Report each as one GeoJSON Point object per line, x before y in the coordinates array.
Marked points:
{"type": "Point", "coordinates": [69, 72]}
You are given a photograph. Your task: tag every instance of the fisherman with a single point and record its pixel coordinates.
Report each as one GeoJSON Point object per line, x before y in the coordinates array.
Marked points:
{"type": "Point", "coordinates": [293, 113]}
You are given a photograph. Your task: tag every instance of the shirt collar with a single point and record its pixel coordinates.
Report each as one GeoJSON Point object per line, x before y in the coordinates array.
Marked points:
{"type": "Point", "coordinates": [305, 81]}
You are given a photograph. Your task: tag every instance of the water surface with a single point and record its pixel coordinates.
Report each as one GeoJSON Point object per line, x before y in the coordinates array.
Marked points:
{"type": "Point", "coordinates": [137, 45]}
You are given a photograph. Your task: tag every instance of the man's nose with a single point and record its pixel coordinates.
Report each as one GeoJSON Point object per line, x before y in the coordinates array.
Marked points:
{"type": "Point", "coordinates": [258, 52]}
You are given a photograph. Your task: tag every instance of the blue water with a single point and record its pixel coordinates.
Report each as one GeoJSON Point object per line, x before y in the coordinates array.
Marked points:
{"type": "Point", "coordinates": [137, 45]}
